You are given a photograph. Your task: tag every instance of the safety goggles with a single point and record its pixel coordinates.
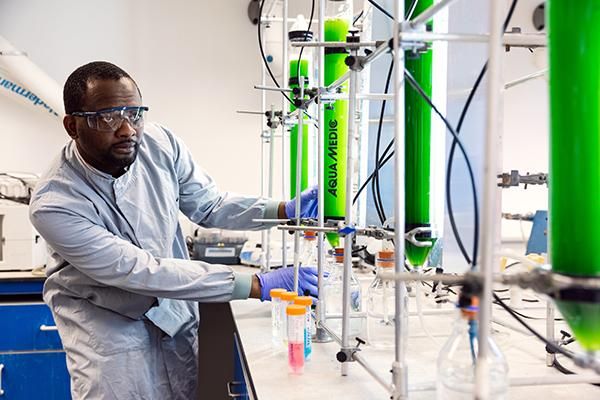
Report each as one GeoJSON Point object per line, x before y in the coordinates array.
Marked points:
{"type": "Point", "coordinates": [111, 119]}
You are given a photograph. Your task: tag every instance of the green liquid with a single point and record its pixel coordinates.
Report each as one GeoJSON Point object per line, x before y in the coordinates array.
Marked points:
{"type": "Point", "coordinates": [294, 133]}
{"type": "Point", "coordinates": [336, 30]}
{"type": "Point", "coordinates": [584, 319]}
{"type": "Point", "coordinates": [418, 147]}
{"type": "Point", "coordinates": [336, 130]}
{"type": "Point", "coordinates": [574, 50]}
{"type": "Point", "coordinates": [418, 255]}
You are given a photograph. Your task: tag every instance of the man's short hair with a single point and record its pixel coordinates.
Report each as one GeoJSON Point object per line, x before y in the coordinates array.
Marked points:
{"type": "Point", "coordinates": [76, 84]}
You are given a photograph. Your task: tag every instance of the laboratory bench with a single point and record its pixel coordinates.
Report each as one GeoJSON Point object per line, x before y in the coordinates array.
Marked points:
{"type": "Point", "coordinates": [263, 374]}
{"type": "Point", "coordinates": [32, 359]}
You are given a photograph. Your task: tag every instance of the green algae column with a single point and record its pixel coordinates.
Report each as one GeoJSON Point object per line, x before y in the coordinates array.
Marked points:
{"type": "Point", "coordinates": [294, 83]}
{"type": "Point", "coordinates": [336, 128]}
{"type": "Point", "coordinates": [574, 50]}
{"type": "Point", "coordinates": [418, 147]}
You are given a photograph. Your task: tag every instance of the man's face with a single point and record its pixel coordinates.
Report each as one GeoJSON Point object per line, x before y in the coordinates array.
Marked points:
{"type": "Point", "coordinates": [110, 152]}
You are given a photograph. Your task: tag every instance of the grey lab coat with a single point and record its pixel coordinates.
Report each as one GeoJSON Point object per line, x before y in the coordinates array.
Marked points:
{"type": "Point", "coordinates": [120, 285]}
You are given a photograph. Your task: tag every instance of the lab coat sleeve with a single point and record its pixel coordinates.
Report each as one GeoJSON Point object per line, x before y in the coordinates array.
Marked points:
{"type": "Point", "coordinates": [201, 201]}
{"type": "Point", "coordinates": [116, 262]}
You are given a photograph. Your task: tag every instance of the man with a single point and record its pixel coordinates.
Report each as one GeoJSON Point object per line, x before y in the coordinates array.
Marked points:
{"type": "Point", "coordinates": [120, 286]}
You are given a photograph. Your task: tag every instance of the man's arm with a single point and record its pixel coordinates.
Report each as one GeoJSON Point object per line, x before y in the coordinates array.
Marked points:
{"type": "Point", "coordinates": [113, 261]}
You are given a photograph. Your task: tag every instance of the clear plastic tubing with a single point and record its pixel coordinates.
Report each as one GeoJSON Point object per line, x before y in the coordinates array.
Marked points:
{"type": "Point", "coordinates": [276, 330]}
{"type": "Point", "coordinates": [306, 302]}
{"type": "Point", "coordinates": [296, 321]}
{"type": "Point", "coordinates": [287, 299]}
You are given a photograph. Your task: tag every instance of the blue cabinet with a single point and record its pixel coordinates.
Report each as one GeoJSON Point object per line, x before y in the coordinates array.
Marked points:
{"type": "Point", "coordinates": [241, 386]}
{"type": "Point", "coordinates": [34, 375]}
{"type": "Point", "coordinates": [32, 362]}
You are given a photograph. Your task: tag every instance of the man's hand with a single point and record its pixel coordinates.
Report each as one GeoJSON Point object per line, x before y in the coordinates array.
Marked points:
{"type": "Point", "coordinates": [308, 205]}
{"type": "Point", "coordinates": [284, 278]}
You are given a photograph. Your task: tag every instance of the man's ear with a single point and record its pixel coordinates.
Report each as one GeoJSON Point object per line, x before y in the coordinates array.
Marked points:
{"type": "Point", "coordinates": [70, 127]}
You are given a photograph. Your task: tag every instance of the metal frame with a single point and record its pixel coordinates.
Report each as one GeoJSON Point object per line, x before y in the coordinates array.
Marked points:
{"type": "Point", "coordinates": [410, 34]}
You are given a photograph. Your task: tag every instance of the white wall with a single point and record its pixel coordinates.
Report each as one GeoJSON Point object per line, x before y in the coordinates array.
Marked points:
{"type": "Point", "coordinates": [195, 62]}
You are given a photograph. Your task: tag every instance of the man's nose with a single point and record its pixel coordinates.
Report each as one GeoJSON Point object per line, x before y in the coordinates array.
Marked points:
{"type": "Point", "coordinates": [126, 129]}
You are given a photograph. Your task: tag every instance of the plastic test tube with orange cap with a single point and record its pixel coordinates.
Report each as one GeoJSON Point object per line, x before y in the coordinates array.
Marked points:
{"type": "Point", "coordinates": [287, 298]}
{"type": "Point", "coordinates": [306, 301]}
{"type": "Point", "coordinates": [276, 326]}
{"type": "Point", "coordinates": [296, 321]}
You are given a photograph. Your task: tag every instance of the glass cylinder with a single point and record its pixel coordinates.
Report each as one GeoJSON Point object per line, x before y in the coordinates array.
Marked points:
{"type": "Point", "coordinates": [306, 302]}
{"type": "Point", "coordinates": [301, 64]}
{"type": "Point", "coordinates": [295, 337]}
{"type": "Point", "coordinates": [338, 19]}
{"type": "Point", "coordinates": [574, 49]}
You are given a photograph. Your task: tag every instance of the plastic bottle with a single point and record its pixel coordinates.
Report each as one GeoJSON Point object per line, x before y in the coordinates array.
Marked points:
{"type": "Point", "coordinates": [306, 302]}
{"type": "Point", "coordinates": [380, 304]}
{"type": "Point", "coordinates": [458, 357]}
{"type": "Point", "coordinates": [277, 332]}
{"type": "Point", "coordinates": [295, 337]}
{"type": "Point", "coordinates": [332, 295]}
{"type": "Point", "coordinates": [287, 299]}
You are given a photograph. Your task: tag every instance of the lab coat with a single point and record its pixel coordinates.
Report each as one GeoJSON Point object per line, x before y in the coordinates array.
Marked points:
{"type": "Point", "coordinates": [119, 284]}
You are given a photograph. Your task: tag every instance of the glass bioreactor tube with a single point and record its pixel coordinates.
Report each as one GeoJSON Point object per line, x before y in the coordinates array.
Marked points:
{"type": "Point", "coordinates": [337, 22]}
{"type": "Point", "coordinates": [418, 148]}
{"type": "Point", "coordinates": [574, 49]}
{"type": "Point", "coordinates": [301, 64]}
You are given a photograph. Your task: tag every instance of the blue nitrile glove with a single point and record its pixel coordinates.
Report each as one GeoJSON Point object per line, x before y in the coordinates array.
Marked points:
{"type": "Point", "coordinates": [308, 204]}
{"type": "Point", "coordinates": [284, 278]}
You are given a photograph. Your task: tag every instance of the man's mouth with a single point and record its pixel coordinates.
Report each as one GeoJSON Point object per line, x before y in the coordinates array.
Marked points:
{"type": "Point", "coordinates": [125, 147]}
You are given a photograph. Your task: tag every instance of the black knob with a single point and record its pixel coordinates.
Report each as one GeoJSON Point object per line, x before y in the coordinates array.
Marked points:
{"type": "Point", "coordinates": [341, 356]}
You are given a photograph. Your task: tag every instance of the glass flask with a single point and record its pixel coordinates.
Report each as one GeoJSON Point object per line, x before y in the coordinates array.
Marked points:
{"type": "Point", "coordinates": [458, 357]}
{"type": "Point", "coordinates": [332, 295]}
{"type": "Point", "coordinates": [381, 304]}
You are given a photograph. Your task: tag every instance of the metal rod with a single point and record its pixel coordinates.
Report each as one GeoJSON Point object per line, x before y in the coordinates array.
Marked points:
{"type": "Point", "coordinates": [279, 19]}
{"type": "Point", "coordinates": [298, 177]}
{"type": "Point", "coordinates": [526, 78]}
{"type": "Point", "coordinates": [330, 332]}
{"type": "Point", "coordinates": [306, 228]}
{"type": "Point", "coordinates": [251, 112]}
{"type": "Point", "coordinates": [380, 50]}
{"type": "Point", "coordinates": [399, 366]}
{"type": "Point", "coordinates": [429, 13]}
{"type": "Point", "coordinates": [550, 335]}
{"type": "Point", "coordinates": [335, 44]}
{"type": "Point", "coordinates": [271, 6]}
{"type": "Point", "coordinates": [270, 183]}
{"type": "Point", "coordinates": [382, 381]}
{"type": "Point", "coordinates": [321, 335]}
{"type": "Point", "coordinates": [360, 96]}
{"type": "Point", "coordinates": [274, 88]}
{"type": "Point", "coordinates": [352, 91]}
{"type": "Point", "coordinates": [542, 380]}
{"type": "Point", "coordinates": [554, 380]}
{"type": "Point", "coordinates": [529, 40]}
{"type": "Point", "coordinates": [489, 226]}
{"type": "Point", "coordinates": [284, 74]}
{"type": "Point", "coordinates": [263, 233]}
